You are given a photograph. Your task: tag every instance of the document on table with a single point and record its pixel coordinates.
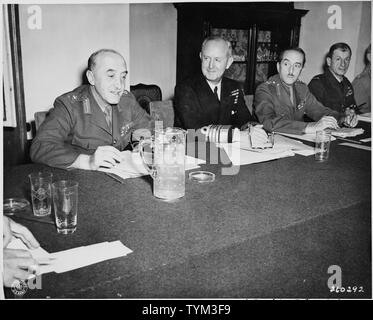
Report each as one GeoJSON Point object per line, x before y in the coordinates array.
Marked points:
{"type": "Point", "coordinates": [132, 166]}
{"type": "Point", "coordinates": [75, 258]}
{"type": "Point", "coordinates": [281, 144]}
{"type": "Point", "coordinates": [347, 132]}
{"type": "Point", "coordinates": [311, 137]}
{"type": "Point", "coordinates": [354, 145]}
{"type": "Point", "coordinates": [366, 117]}
{"type": "Point", "coordinates": [241, 157]}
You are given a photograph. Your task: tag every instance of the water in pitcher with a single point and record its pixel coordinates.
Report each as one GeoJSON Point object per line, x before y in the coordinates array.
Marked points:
{"type": "Point", "coordinates": [169, 183]}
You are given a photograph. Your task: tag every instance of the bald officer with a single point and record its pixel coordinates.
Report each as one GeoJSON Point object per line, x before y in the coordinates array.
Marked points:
{"type": "Point", "coordinates": [89, 126]}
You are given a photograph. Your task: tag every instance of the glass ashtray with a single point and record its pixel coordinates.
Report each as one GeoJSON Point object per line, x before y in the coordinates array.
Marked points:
{"type": "Point", "coordinates": [12, 205]}
{"type": "Point", "coordinates": [202, 176]}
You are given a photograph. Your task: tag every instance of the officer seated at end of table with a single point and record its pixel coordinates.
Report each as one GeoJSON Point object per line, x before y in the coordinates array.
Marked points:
{"type": "Point", "coordinates": [89, 126]}
{"type": "Point", "coordinates": [18, 264]}
{"type": "Point", "coordinates": [332, 88]}
{"type": "Point", "coordinates": [282, 102]}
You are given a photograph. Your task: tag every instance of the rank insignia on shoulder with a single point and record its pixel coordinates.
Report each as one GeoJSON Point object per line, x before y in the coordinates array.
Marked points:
{"type": "Point", "coordinates": [301, 105]}
{"type": "Point", "coordinates": [126, 128]}
{"type": "Point", "coordinates": [86, 106]}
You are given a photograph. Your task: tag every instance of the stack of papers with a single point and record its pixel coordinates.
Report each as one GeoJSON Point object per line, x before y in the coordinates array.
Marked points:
{"type": "Point", "coordinates": [366, 117]}
{"type": "Point", "coordinates": [347, 132]}
{"type": "Point", "coordinates": [76, 258]}
{"type": "Point", "coordinates": [311, 137]}
{"type": "Point", "coordinates": [132, 165]}
{"type": "Point", "coordinates": [241, 157]}
{"type": "Point", "coordinates": [241, 153]}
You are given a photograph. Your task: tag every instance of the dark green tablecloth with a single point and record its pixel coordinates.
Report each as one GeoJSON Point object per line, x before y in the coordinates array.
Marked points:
{"type": "Point", "coordinates": [272, 230]}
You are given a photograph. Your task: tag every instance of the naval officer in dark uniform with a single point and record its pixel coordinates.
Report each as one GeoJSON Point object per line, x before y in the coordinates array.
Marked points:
{"type": "Point", "coordinates": [332, 88]}
{"type": "Point", "coordinates": [89, 126]}
{"type": "Point", "coordinates": [282, 102]}
{"type": "Point", "coordinates": [209, 98]}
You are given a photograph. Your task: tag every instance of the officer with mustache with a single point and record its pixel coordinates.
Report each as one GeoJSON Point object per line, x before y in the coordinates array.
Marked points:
{"type": "Point", "coordinates": [282, 102]}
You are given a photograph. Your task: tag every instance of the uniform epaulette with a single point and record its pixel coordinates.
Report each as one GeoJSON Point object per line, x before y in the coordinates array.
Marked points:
{"type": "Point", "coordinates": [83, 99]}
{"type": "Point", "coordinates": [271, 82]}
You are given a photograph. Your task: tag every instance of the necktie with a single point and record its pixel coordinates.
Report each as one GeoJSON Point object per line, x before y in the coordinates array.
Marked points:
{"type": "Point", "coordinates": [108, 116]}
{"type": "Point", "coordinates": [291, 95]}
{"type": "Point", "coordinates": [341, 86]}
{"type": "Point", "coordinates": [216, 93]}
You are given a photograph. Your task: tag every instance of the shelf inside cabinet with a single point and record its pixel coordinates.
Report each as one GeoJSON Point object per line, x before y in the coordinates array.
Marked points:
{"type": "Point", "coordinates": [266, 61]}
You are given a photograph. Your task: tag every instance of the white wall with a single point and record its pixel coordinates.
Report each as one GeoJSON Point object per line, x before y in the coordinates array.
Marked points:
{"type": "Point", "coordinates": [54, 57]}
{"type": "Point", "coordinates": [364, 36]}
{"type": "Point", "coordinates": [316, 37]}
{"type": "Point", "coordinates": [153, 45]}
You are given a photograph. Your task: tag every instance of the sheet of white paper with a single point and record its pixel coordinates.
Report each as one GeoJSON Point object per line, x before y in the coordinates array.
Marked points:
{"type": "Point", "coordinates": [75, 258]}
{"type": "Point", "coordinates": [281, 144]}
{"type": "Point", "coordinates": [305, 153]}
{"type": "Point", "coordinates": [83, 256]}
{"type": "Point", "coordinates": [306, 137]}
{"type": "Point", "coordinates": [133, 167]}
{"type": "Point", "coordinates": [242, 157]}
{"type": "Point", "coordinates": [355, 145]}
{"type": "Point", "coordinates": [366, 117]}
{"type": "Point", "coordinates": [366, 140]}
{"type": "Point", "coordinates": [347, 132]}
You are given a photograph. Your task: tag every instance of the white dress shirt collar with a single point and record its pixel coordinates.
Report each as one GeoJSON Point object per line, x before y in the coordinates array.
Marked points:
{"type": "Point", "coordinates": [212, 86]}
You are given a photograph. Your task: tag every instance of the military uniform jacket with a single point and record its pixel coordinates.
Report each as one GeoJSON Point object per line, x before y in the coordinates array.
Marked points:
{"type": "Point", "coordinates": [326, 88]}
{"type": "Point", "coordinates": [362, 90]}
{"type": "Point", "coordinates": [275, 111]}
{"type": "Point", "coordinates": [76, 125]}
{"type": "Point", "coordinates": [196, 104]}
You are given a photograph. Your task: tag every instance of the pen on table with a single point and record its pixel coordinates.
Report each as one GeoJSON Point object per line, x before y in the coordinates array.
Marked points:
{"type": "Point", "coordinates": [46, 261]}
{"type": "Point", "coordinates": [349, 140]}
{"type": "Point", "coordinates": [360, 105]}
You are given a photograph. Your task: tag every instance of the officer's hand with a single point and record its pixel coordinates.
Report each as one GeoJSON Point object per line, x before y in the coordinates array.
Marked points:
{"type": "Point", "coordinates": [324, 123]}
{"type": "Point", "coordinates": [104, 156]}
{"type": "Point", "coordinates": [350, 119]}
{"type": "Point", "coordinates": [18, 265]}
{"type": "Point", "coordinates": [12, 228]}
{"type": "Point", "coordinates": [257, 135]}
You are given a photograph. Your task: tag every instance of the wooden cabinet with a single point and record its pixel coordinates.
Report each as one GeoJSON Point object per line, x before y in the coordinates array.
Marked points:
{"type": "Point", "coordinates": [257, 31]}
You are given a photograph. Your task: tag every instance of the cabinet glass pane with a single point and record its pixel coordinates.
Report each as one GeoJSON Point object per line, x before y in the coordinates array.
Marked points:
{"type": "Point", "coordinates": [237, 71]}
{"type": "Point", "coordinates": [238, 39]}
{"type": "Point", "coordinates": [261, 73]}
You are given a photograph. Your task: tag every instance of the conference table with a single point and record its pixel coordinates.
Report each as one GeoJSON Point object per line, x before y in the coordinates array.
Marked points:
{"type": "Point", "coordinates": [273, 230]}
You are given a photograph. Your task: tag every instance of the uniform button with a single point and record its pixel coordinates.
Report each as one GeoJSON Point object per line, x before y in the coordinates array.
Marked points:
{"type": "Point", "coordinates": [115, 141]}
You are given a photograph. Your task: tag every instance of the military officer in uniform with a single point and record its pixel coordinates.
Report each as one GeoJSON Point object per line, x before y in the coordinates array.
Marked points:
{"type": "Point", "coordinates": [332, 88]}
{"type": "Point", "coordinates": [209, 98]}
{"type": "Point", "coordinates": [89, 126]}
{"type": "Point", "coordinates": [282, 102]}
{"type": "Point", "coordinates": [362, 86]}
